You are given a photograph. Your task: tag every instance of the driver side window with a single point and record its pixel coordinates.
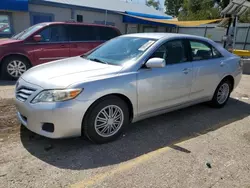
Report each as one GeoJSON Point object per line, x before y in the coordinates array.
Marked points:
{"type": "Point", "coordinates": [55, 33]}
{"type": "Point", "coordinates": [172, 51]}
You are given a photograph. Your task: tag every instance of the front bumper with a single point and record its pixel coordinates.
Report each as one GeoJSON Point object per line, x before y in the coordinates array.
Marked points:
{"type": "Point", "coordinates": [66, 116]}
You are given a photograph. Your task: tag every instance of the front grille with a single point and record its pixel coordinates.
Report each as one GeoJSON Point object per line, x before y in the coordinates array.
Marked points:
{"type": "Point", "coordinates": [23, 93]}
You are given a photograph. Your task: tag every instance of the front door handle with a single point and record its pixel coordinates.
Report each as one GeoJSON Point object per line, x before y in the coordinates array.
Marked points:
{"type": "Point", "coordinates": [186, 70]}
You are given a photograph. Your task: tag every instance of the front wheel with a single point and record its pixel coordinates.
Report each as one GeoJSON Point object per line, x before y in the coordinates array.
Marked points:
{"type": "Point", "coordinates": [222, 94]}
{"type": "Point", "coordinates": [13, 67]}
{"type": "Point", "coordinates": [105, 121]}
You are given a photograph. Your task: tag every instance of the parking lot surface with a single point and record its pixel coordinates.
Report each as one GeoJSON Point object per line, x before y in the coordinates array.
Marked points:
{"type": "Point", "coordinates": [194, 147]}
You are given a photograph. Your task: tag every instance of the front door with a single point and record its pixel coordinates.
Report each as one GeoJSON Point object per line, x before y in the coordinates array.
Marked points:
{"type": "Point", "coordinates": [160, 88]}
{"type": "Point", "coordinates": [54, 44]}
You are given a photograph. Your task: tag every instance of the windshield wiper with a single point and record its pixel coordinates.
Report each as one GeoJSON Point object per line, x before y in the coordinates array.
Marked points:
{"type": "Point", "coordinates": [97, 60]}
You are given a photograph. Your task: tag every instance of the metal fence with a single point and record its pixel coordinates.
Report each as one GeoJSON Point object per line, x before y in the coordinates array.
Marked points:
{"type": "Point", "coordinates": [216, 33]}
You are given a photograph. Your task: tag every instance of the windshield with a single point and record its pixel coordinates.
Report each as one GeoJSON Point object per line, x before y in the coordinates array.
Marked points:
{"type": "Point", "coordinates": [26, 33]}
{"type": "Point", "coordinates": [119, 50]}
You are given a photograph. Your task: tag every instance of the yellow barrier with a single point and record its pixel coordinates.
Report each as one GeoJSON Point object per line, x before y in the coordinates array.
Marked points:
{"type": "Point", "coordinates": [245, 53]}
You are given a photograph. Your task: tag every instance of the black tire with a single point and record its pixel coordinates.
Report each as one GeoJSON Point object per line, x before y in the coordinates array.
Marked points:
{"type": "Point", "coordinates": [6, 62]}
{"type": "Point", "coordinates": [214, 102]}
{"type": "Point", "coordinates": [88, 125]}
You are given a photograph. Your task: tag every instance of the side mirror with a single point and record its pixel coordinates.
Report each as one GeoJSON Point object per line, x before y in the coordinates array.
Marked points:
{"type": "Point", "coordinates": [156, 63]}
{"type": "Point", "coordinates": [37, 38]}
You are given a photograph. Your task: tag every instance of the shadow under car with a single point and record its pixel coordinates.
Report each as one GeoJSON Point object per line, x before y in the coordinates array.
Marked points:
{"type": "Point", "coordinates": [138, 139]}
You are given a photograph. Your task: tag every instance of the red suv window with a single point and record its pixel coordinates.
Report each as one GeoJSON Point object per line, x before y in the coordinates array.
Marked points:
{"type": "Point", "coordinates": [91, 33]}
{"type": "Point", "coordinates": [54, 33]}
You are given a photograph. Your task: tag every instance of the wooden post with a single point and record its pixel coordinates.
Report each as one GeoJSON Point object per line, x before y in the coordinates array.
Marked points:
{"type": "Point", "coordinates": [235, 31]}
{"type": "Point", "coordinates": [228, 27]}
{"type": "Point", "coordinates": [205, 33]}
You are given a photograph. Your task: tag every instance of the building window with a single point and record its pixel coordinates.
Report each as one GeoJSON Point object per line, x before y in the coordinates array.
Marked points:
{"type": "Point", "coordinates": [104, 23]}
{"type": "Point", "coordinates": [38, 17]}
{"type": "Point", "coordinates": [149, 29]}
{"type": "Point", "coordinates": [5, 28]}
{"type": "Point", "coordinates": [79, 18]}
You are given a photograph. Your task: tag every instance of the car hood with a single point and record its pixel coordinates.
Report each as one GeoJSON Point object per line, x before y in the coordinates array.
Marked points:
{"type": "Point", "coordinates": [8, 41]}
{"type": "Point", "coordinates": [62, 73]}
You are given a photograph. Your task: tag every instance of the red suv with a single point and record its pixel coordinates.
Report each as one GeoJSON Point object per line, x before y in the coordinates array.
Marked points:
{"type": "Point", "coordinates": [46, 42]}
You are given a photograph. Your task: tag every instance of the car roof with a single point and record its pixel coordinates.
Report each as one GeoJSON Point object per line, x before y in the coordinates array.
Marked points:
{"type": "Point", "coordinates": [78, 23]}
{"type": "Point", "coordinates": [158, 36]}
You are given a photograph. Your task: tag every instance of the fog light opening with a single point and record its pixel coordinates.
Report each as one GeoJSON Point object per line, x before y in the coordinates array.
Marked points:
{"type": "Point", "coordinates": [48, 127]}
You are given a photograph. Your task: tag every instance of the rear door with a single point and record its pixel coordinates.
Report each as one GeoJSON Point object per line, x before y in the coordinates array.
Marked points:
{"type": "Point", "coordinates": [84, 38]}
{"type": "Point", "coordinates": [53, 46]}
{"type": "Point", "coordinates": [207, 68]}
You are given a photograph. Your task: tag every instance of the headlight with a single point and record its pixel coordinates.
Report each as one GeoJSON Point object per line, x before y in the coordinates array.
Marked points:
{"type": "Point", "coordinates": [56, 95]}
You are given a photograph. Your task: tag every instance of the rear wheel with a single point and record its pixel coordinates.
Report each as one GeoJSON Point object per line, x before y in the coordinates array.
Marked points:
{"type": "Point", "coordinates": [222, 94]}
{"type": "Point", "coordinates": [13, 67]}
{"type": "Point", "coordinates": [106, 120]}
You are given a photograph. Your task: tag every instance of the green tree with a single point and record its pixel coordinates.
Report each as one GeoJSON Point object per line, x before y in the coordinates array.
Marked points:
{"type": "Point", "coordinates": [173, 7]}
{"type": "Point", "coordinates": [224, 3]}
{"type": "Point", "coordinates": [153, 3]}
{"type": "Point", "coordinates": [245, 18]}
{"type": "Point", "coordinates": [198, 10]}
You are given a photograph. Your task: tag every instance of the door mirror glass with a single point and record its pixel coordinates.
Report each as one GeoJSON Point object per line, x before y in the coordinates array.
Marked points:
{"type": "Point", "coordinates": [37, 38]}
{"type": "Point", "coordinates": [156, 63]}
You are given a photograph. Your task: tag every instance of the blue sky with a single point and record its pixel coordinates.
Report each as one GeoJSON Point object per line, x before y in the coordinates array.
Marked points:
{"type": "Point", "coordinates": [143, 1]}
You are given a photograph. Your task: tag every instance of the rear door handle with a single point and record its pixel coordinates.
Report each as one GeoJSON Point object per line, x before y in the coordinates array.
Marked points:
{"type": "Point", "coordinates": [222, 64]}
{"type": "Point", "coordinates": [186, 70]}
{"type": "Point", "coordinates": [63, 46]}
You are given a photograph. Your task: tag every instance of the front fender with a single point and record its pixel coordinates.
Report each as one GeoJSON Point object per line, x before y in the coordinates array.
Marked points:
{"type": "Point", "coordinates": [124, 84]}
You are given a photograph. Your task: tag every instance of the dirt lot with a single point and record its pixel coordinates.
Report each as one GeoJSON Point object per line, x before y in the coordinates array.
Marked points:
{"type": "Point", "coordinates": [194, 147]}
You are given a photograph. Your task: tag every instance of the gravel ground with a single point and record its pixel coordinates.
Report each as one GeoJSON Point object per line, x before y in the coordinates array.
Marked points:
{"type": "Point", "coordinates": [194, 147]}
{"type": "Point", "coordinates": [6, 89]}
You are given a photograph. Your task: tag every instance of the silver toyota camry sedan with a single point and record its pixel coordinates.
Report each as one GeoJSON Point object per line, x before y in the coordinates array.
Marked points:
{"type": "Point", "coordinates": [128, 78]}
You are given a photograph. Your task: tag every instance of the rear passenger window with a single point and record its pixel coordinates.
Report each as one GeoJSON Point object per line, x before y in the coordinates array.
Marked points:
{"type": "Point", "coordinates": [107, 33]}
{"type": "Point", "coordinates": [200, 51]}
{"type": "Point", "coordinates": [91, 33]}
{"type": "Point", "coordinates": [82, 33]}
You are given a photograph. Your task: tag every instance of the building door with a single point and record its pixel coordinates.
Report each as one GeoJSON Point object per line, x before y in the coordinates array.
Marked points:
{"type": "Point", "coordinates": [41, 17]}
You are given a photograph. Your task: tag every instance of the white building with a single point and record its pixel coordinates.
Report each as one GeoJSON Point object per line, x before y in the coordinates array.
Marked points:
{"type": "Point", "coordinates": [20, 14]}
